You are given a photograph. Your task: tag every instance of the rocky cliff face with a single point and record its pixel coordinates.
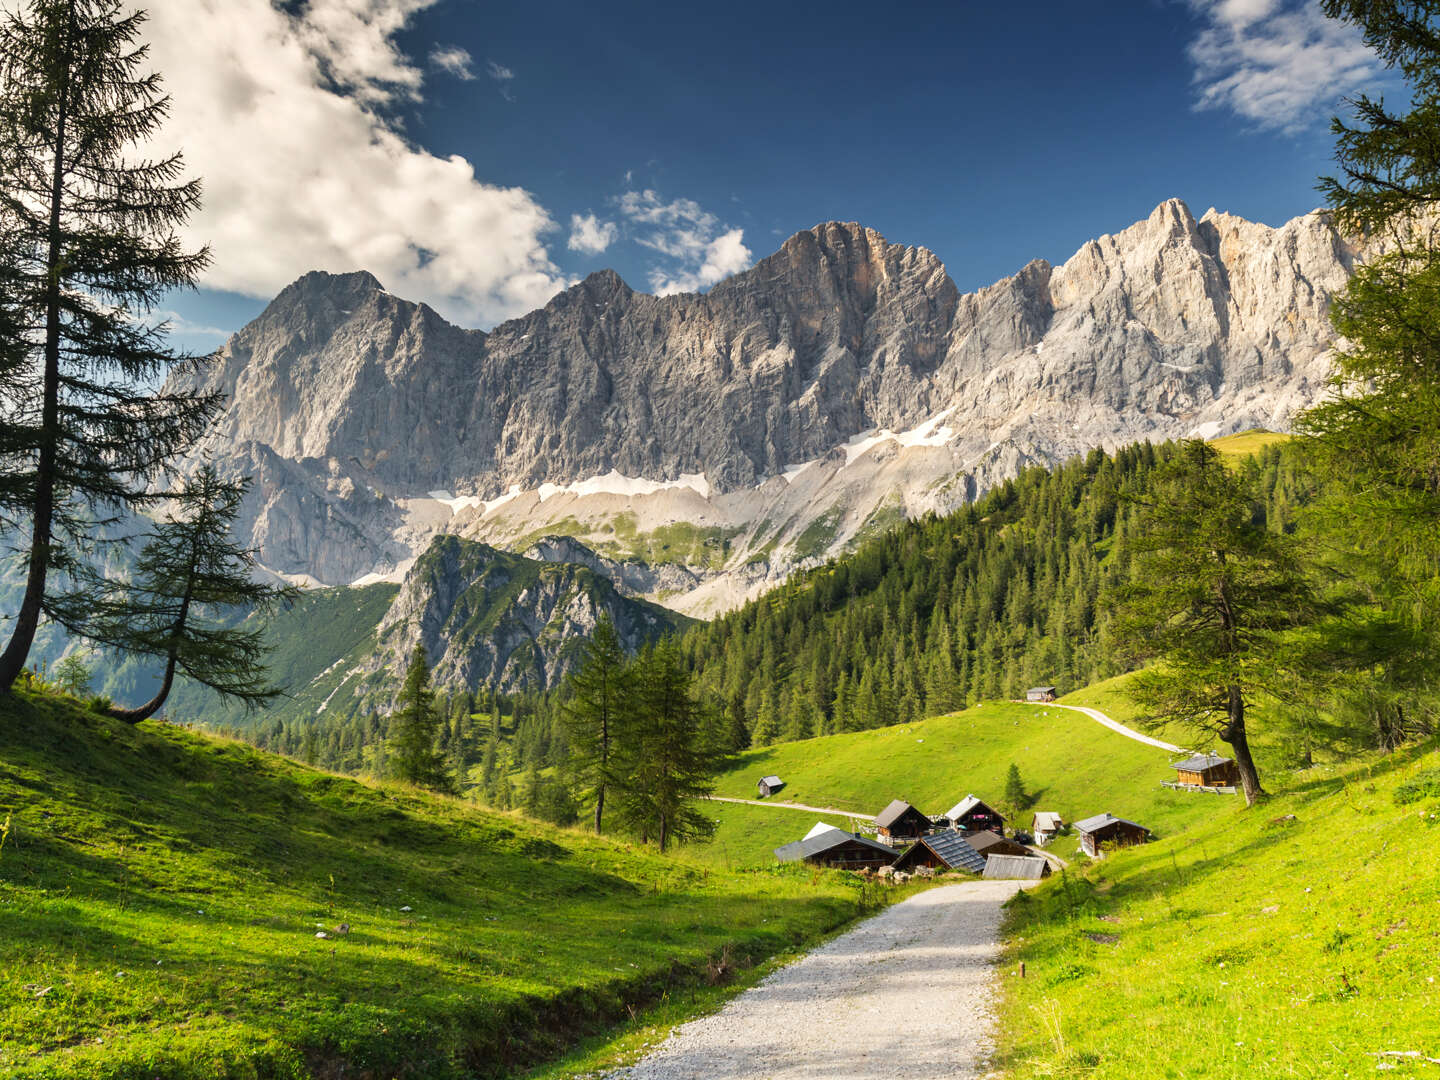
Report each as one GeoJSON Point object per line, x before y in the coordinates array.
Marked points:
{"type": "Point", "coordinates": [839, 383]}
{"type": "Point", "coordinates": [490, 618]}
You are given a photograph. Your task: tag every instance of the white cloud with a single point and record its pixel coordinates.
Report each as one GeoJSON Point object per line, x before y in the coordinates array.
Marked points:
{"type": "Point", "coordinates": [699, 254]}
{"type": "Point", "coordinates": [453, 60]}
{"type": "Point", "coordinates": [499, 72]}
{"type": "Point", "coordinates": [590, 235]}
{"type": "Point", "coordinates": [284, 118]}
{"type": "Point", "coordinates": [1279, 64]}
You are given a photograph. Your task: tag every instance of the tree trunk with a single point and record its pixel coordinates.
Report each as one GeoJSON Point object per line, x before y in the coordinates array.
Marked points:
{"type": "Point", "coordinates": [599, 807]}
{"type": "Point", "coordinates": [12, 661]}
{"type": "Point", "coordinates": [151, 707]}
{"type": "Point", "coordinates": [1234, 734]}
{"type": "Point", "coordinates": [664, 833]}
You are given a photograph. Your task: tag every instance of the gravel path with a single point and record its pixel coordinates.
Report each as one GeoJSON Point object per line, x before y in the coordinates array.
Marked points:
{"type": "Point", "coordinates": [794, 806]}
{"type": "Point", "coordinates": [1114, 725]}
{"type": "Point", "coordinates": [906, 994]}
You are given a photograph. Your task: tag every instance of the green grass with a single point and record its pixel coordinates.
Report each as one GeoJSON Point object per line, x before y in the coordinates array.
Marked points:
{"type": "Point", "coordinates": [1244, 443]}
{"type": "Point", "coordinates": [747, 836]}
{"type": "Point", "coordinates": [160, 892]}
{"type": "Point", "coordinates": [1252, 945]}
{"type": "Point", "coordinates": [816, 538]}
{"type": "Point", "coordinates": [1068, 763]}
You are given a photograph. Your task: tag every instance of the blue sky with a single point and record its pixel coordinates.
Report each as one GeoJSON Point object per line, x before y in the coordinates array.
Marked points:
{"type": "Point", "coordinates": [482, 156]}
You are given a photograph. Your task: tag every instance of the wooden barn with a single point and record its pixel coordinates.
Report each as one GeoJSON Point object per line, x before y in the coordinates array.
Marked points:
{"type": "Point", "coordinates": [1017, 867]}
{"type": "Point", "coordinates": [1208, 772]}
{"type": "Point", "coordinates": [941, 851]}
{"type": "Point", "coordinates": [1108, 829]}
{"type": "Point", "coordinates": [838, 848]}
{"type": "Point", "coordinates": [989, 843]}
{"type": "Point", "coordinates": [768, 785]}
{"type": "Point", "coordinates": [972, 815]}
{"type": "Point", "coordinates": [1045, 826]}
{"type": "Point", "coordinates": [1040, 693]}
{"type": "Point", "coordinates": [901, 822]}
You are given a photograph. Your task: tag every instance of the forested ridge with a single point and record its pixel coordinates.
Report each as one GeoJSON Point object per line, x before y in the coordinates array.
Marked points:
{"type": "Point", "coordinates": [1007, 593]}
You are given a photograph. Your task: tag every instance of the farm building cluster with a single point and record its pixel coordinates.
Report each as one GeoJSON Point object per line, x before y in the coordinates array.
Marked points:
{"type": "Point", "coordinates": [970, 836]}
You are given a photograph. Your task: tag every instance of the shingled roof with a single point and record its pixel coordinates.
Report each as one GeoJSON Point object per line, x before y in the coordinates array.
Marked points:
{"type": "Point", "coordinates": [1016, 867]}
{"type": "Point", "coordinates": [893, 813]}
{"type": "Point", "coordinates": [955, 852]}
{"type": "Point", "coordinates": [1099, 821]}
{"type": "Point", "coordinates": [817, 843]}
{"type": "Point", "coordinates": [1200, 762]}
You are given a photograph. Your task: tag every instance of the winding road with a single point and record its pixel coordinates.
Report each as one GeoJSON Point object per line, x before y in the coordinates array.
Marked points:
{"type": "Point", "coordinates": [906, 995]}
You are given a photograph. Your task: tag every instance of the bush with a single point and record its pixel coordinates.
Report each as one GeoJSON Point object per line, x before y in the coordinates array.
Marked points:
{"type": "Point", "coordinates": [1426, 785]}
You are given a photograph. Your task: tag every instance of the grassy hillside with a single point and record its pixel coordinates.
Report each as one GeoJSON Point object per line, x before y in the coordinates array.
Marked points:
{"type": "Point", "coordinates": [161, 894]}
{"type": "Point", "coordinates": [1068, 762]}
{"type": "Point", "coordinates": [1297, 939]}
{"type": "Point", "coordinates": [1244, 443]}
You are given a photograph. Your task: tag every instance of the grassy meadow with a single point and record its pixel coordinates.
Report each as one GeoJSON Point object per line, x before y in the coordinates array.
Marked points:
{"type": "Point", "coordinates": [1068, 763]}
{"type": "Point", "coordinates": [1297, 939]}
{"type": "Point", "coordinates": [162, 893]}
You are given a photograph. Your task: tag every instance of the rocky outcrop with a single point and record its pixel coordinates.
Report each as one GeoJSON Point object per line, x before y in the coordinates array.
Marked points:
{"type": "Point", "coordinates": [373, 423]}
{"type": "Point", "coordinates": [491, 618]}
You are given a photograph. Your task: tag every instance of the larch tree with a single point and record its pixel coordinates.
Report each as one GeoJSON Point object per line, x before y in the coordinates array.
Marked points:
{"type": "Point", "coordinates": [600, 702]}
{"type": "Point", "coordinates": [89, 249]}
{"type": "Point", "coordinates": [668, 764]}
{"type": "Point", "coordinates": [1212, 596]}
{"type": "Point", "coordinates": [190, 574]}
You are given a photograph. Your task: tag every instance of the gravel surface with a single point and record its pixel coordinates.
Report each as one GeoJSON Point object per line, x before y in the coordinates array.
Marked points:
{"type": "Point", "coordinates": [905, 994]}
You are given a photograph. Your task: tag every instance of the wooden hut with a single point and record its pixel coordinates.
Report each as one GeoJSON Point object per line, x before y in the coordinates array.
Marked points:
{"type": "Point", "coordinates": [1108, 829]}
{"type": "Point", "coordinates": [838, 848]}
{"type": "Point", "coordinates": [1040, 693]}
{"type": "Point", "coordinates": [989, 843]}
{"type": "Point", "coordinates": [901, 822]}
{"type": "Point", "coordinates": [768, 785]}
{"type": "Point", "coordinates": [972, 815]}
{"type": "Point", "coordinates": [1209, 772]}
{"type": "Point", "coordinates": [1017, 867]}
{"type": "Point", "coordinates": [941, 851]}
{"type": "Point", "coordinates": [1045, 826]}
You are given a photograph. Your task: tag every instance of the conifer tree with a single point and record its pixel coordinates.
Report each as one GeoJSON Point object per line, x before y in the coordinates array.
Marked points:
{"type": "Point", "coordinates": [600, 702]}
{"type": "Point", "coordinates": [188, 574]}
{"type": "Point", "coordinates": [668, 765]}
{"type": "Point", "coordinates": [1015, 797]}
{"type": "Point", "coordinates": [413, 727]}
{"type": "Point", "coordinates": [1212, 594]}
{"type": "Point", "coordinates": [89, 248]}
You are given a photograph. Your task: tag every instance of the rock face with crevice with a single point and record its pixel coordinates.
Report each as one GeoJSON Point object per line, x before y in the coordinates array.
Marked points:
{"type": "Point", "coordinates": [841, 350]}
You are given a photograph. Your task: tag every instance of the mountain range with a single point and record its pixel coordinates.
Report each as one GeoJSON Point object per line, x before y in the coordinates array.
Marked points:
{"type": "Point", "coordinates": [696, 449]}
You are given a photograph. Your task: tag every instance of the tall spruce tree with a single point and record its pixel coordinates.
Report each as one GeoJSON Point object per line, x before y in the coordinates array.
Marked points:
{"type": "Point", "coordinates": [1212, 595]}
{"type": "Point", "coordinates": [188, 575]}
{"type": "Point", "coordinates": [89, 248]}
{"type": "Point", "coordinates": [413, 727]}
{"type": "Point", "coordinates": [600, 702]}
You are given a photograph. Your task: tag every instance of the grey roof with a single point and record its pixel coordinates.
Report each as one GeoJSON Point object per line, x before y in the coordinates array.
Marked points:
{"type": "Point", "coordinates": [968, 803]}
{"type": "Point", "coordinates": [771, 781]}
{"type": "Point", "coordinates": [1041, 690]}
{"type": "Point", "coordinates": [1046, 819]}
{"type": "Point", "coordinates": [984, 840]}
{"type": "Point", "coordinates": [820, 828]}
{"type": "Point", "coordinates": [893, 812]}
{"type": "Point", "coordinates": [823, 842]}
{"type": "Point", "coordinates": [955, 852]}
{"type": "Point", "coordinates": [1200, 762]}
{"type": "Point", "coordinates": [1016, 867]}
{"type": "Point", "coordinates": [1099, 821]}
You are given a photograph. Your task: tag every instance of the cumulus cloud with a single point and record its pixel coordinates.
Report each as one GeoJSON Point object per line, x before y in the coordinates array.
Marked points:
{"type": "Point", "coordinates": [1279, 64]}
{"type": "Point", "coordinates": [453, 60]}
{"type": "Point", "coordinates": [699, 250]}
{"type": "Point", "coordinates": [590, 235]}
{"type": "Point", "coordinates": [286, 118]}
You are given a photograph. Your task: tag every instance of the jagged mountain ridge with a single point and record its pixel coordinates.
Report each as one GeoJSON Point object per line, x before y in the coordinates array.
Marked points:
{"type": "Point", "coordinates": [841, 351]}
